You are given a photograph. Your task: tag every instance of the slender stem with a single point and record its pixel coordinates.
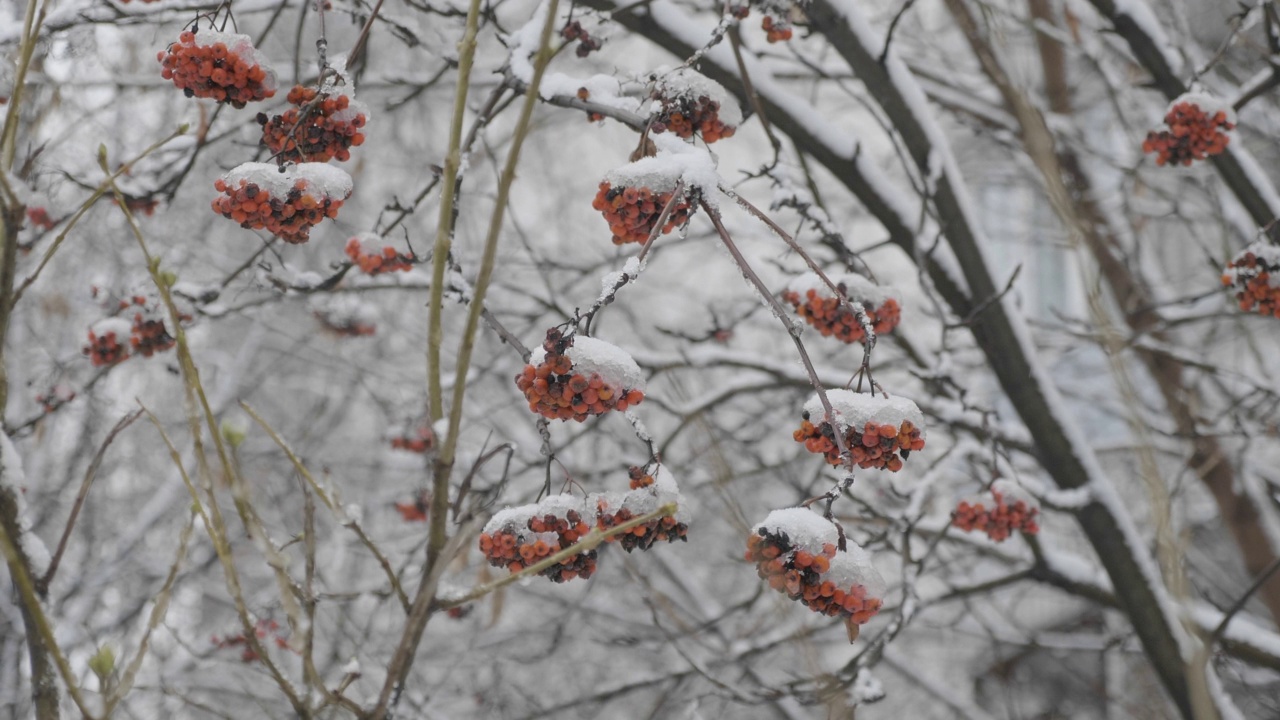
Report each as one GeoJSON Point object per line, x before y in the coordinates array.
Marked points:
{"type": "Point", "coordinates": [440, 254]}
{"type": "Point", "coordinates": [42, 584]}
{"type": "Point", "coordinates": [792, 330]}
{"type": "Point", "coordinates": [34, 609]}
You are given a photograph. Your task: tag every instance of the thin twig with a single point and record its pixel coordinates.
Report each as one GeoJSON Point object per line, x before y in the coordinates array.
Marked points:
{"type": "Point", "coordinates": [42, 584]}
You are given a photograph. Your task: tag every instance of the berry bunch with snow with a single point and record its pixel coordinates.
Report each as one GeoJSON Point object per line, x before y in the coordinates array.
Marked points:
{"type": "Point", "coordinates": [286, 201]}
{"type": "Point", "coordinates": [368, 252]}
{"type": "Point", "coordinates": [1011, 509]}
{"type": "Point", "coordinates": [518, 537]}
{"type": "Point", "coordinates": [797, 552]}
{"type": "Point", "coordinates": [150, 335]}
{"type": "Point", "coordinates": [822, 308]}
{"type": "Point", "coordinates": [225, 67]}
{"type": "Point", "coordinates": [108, 342]}
{"type": "Point", "coordinates": [777, 17]}
{"type": "Point", "coordinates": [632, 197]}
{"type": "Point", "coordinates": [648, 493]}
{"type": "Point", "coordinates": [880, 432]}
{"type": "Point", "coordinates": [1198, 127]}
{"type": "Point", "coordinates": [345, 316]}
{"type": "Point", "coordinates": [691, 102]}
{"type": "Point", "coordinates": [573, 377]}
{"type": "Point", "coordinates": [1255, 276]}
{"type": "Point", "coordinates": [318, 128]}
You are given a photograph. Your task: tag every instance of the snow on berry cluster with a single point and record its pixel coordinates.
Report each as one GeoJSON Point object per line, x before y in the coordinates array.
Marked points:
{"type": "Point", "coordinates": [1010, 509]}
{"type": "Point", "coordinates": [318, 128]}
{"type": "Point", "coordinates": [690, 102]}
{"type": "Point", "coordinates": [150, 335]}
{"type": "Point", "coordinates": [822, 308]}
{"type": "Point", "coordinates": [286, 201]}
{"type": "Point", "coordinates": [368, 252]}
{"type": "Point", "coordinates": [521, 536]}
{"type": "Point", "coordinates": [777, 17]}
{"type": "Point", "coordinates": [1255, 276]}
{"type": "Point", "coordinates": [113, 340]}
{"type": "Point", "coordinates": [573, 377]}
{"type": "Point", "coordinates": [108, 342]}
{"type": "Point", "coordinates": [1198, 127]}
{"type": "Point", "coordinates": [879, 432]}
{"type": "Point", "coordinates": [796, 551]}
{"type": "Point", "coordinates": [220, 66]}
{"type": "Point", "coordinates": [632, 197]}
{"type": "Point", "coordinates": [345, 315]}
{"type": "Point", "coordinates": [648, 493]}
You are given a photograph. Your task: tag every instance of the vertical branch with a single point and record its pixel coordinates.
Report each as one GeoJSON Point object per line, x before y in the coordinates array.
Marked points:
{"type": "Point", "coordinates": [440, 253]}
{"type": "Point", "coordinates": [438, 539]}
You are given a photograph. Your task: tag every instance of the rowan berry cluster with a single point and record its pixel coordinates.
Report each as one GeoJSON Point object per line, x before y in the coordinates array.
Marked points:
{"type": "Point", "coordinates": [1255, 276]}
{"type": "Point", "coordinates": [586, 44]}
{"type": "Point", "coordinates": [262, 629]}
{"type": "Point", "coordinates": [421, 440]}
{"type": "Point", "coordinates": [39, 218]}
{"type": "Point", "coordinates": [776, 30]}
{"type": "Point", "coordinates": [647, 494]}
{"type": "Point", "coordinates": [318, 128]}
{"type": "Point", "coordinates": [633, 212]}
{"type": "Point", "coordinates": [220, 66]}
{"type": "Point", "coordinates": [879, 432]}
{"type": "Point", "coordinates": [287, 202]}
{"type": "Point", "coordinates": [55, 397]}
{"type": "Point", "coordinates": [516, 538]}
{"type": "Point", "coordinates": [573, 377]}
{"type": "Point", "coordinates": [694, 103]}
{"type": "Point", "coordinates": [1011, 510]}
{"type": "Point", "coordinates": [108, 342]}
{"type": "Point", "coordinates": [344, 326]}
{"type": "Point", "coordinates": [416, 510]}
{"type": "Point", "coordinates": [822, 308]}
{"type": "Point", "coordinates": [799, 556]}
{"type": "Point", "coordinates": [150, 336]}
{"type": "Point", "coordinates": [367, 253]}
{"type": "Point", "coordinates": [1197, 130]}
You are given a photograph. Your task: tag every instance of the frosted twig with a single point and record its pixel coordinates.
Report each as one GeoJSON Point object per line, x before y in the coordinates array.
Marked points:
{"type": "Point", "coordinates": [330, 503]}
{"type": "Point", "coordinates": [792, 330]}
